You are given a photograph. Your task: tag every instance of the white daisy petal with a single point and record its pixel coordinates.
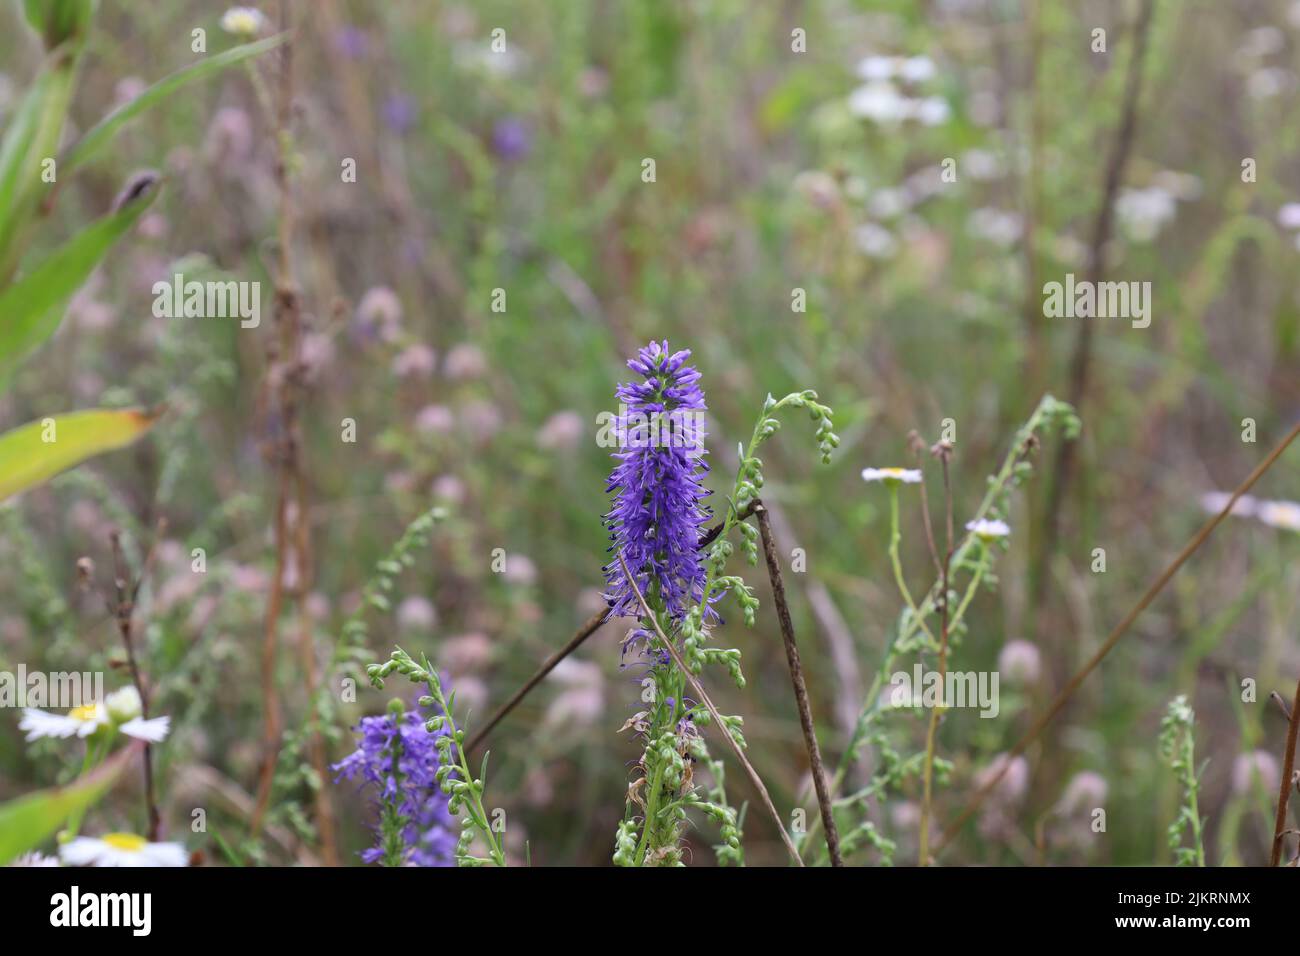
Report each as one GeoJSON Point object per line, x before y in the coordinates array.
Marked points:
{"type": "Point", "coordinates": [81, 851]}
{"type": "Point", "coordinates": [153, 730]}
{"type": "Point", "coordinates": [165, 854]}
{"type": "Point", "coordinates": [40, 723]}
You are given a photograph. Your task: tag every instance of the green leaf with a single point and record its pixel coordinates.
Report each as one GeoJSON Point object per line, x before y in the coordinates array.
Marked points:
{"type": "Point", "coordinates": [28, 459]}
{"type": "Point", "coordinates": [103, 131]}
{"type": "Point", "coordinates": [28, 821]}
{"type": "Point", "coordinates": [32, 307]}
{"type": "Point", "coordinates": [31, 139]}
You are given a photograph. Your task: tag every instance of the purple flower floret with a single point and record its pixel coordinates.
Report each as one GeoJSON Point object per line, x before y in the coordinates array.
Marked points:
{"type": "Point", "coordinates": [657, 509]}
{"type": "Point", "coordinates": [429, 833]}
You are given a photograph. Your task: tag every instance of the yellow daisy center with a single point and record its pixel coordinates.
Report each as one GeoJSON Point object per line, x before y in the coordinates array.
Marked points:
{"type": "Point", "coordinates": [85, 713]}
{"type": "Point", "coordinates": [892, 472]}
{"type": "Point", "coordinates": [125, 841]}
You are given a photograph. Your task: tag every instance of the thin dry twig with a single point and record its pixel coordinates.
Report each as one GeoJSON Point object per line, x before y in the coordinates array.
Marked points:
{"type": "Point", "coordinates": [122, 606]}
{"type": "Point", "coordinates": [1288, 766]}
{"type": "Point", "coordinates": [1120, 630]}
{"type": "Point", "coordinates": [800, 687]}
{"type": "Point", "coordinates": [713, 712]}
{"type": "Point", "coordinates": [589, 627]}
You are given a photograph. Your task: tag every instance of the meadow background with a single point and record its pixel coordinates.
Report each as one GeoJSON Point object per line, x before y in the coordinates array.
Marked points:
{"type": "Point", "coordinates": [774, 171]}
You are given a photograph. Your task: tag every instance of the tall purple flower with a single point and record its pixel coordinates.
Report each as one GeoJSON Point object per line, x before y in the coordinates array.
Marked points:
{"type": "Point", "coordinates": [657, 508]}
{"type": "Point", "coordinates": [427, 829]}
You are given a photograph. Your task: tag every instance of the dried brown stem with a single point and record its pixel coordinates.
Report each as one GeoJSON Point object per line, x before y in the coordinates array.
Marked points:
{"type": "Point", "coordinates": [800, 687]}
{"type": "Point", "coordinates": [1288, 766]}
{"type": "Point", "coordinates": [589, 627]}
{"type": "Point", "coordinates": [713, 712]}
{"type": "Point", "coordinates": [292, 535]}
{"type": "Point", "coordinates": [125, 592]}
{"type": "Point", "coordinates": [1120, 630]}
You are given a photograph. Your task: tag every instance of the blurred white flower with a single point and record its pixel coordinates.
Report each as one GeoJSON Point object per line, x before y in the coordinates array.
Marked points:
{"type": "Point", "coordinates": [916, 69]}
{"type": "Point", "coordinates": [243, 21]}
{"type": "Point", "coordinates": [997, 226]}
{"type": "Point", "coordinates": [877, 67]}
{"type": "Point", "coordinates": [880, 102]}
{"type": "Point", "coordinates": [1279, 514]}
{"type": "Point", "coordinates": [35, 859]}
{"type": "Point", "coordinates": [122, 849]}
{"type": "Point", "coordinates": [1144, 212]}
{"type": "Point", "coordinates": [892, 476]}
{"type": "Point", "coordinates": [1288, 217]}
{"type": "Point", "coordinates": [933, 111]}
{"type": "Point", "coordinates": [988, 529]}
{"type": "Point", "coordinates": [875, 240]}
{"type": "Point", "coordinates": [1215, 501]}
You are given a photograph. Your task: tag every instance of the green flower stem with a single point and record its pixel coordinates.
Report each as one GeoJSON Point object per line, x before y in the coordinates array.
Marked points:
{"type": "Point", "coordinates": [895, 538]}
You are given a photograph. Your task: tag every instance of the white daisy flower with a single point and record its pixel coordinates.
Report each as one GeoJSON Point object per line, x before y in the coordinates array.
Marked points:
{"type": "Point", "coordinates": [79, 722]}
{"type": "Point", "coordinates": [1215, 501]}
{"type": "Point", "coordinates": [120, 709]}
{"type": "Point", "coordinates": [243, 21]}
{"type": "Point", "coordinates": [892, 476]}
{"type": "Point", "coordinates": [988, 529]}
{"type": "Point", "coordinates": [122, 849]}
{"type": "Point", "coordinates": [1279, 514]}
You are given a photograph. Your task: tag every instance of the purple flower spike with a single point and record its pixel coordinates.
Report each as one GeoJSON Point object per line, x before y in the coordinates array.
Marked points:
{"type": "Point", "coordinates": [430, 830]}
{"type": "Point", "coordinates": [657, 508]}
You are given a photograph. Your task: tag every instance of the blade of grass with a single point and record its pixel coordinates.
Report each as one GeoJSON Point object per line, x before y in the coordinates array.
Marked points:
{"type": "Point", "coordinates": [99, 135]}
